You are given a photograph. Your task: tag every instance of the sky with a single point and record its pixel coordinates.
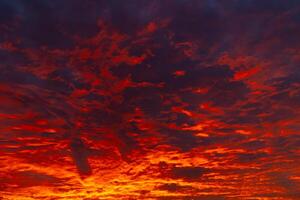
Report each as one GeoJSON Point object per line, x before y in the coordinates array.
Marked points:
{"type": "Point", "coordinates": [149, 100]}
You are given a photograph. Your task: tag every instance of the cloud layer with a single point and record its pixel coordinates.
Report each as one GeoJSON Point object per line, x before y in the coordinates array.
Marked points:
{"type": "Point", "coordinates": [149, 99]}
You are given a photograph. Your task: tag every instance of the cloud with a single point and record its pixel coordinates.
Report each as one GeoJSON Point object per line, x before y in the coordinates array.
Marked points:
{"type": "Point", "coordinates": [188, 173]}
{"type": "Point", "coordinates": [149, 100]}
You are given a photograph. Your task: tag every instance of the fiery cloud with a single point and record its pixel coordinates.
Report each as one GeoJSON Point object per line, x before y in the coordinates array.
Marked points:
{"type": "Point", "coordinates": [149, 100]}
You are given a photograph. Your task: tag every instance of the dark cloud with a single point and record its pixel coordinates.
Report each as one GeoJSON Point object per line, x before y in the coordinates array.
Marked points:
{"type": "Point", "coordinates": [202, 197]}
{"type": "Point", "coordinates": [185, 140]}
{"type": "Point", "coordinates": [188, 173]}
{"type": "Point", "coordinates": [29, 179]}
{"type": "Point", "coordinates": [80, 156]}
{"type": "Point", "coordinates": [173, 187]}
{"type": "Point", "coordinates": [250, 157]}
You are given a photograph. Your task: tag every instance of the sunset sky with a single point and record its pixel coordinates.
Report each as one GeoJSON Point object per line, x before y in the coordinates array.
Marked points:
{"type": "Point", "coordinates": [149, 99]}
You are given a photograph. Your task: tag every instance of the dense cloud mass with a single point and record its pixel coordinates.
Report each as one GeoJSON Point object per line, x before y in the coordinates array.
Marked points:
{"type": "Point", "coordinates": [154, 100]}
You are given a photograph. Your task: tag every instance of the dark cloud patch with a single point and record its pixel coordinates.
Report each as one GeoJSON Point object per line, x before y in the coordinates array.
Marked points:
{"type": "Point", "coordinates": [39, 26]}
{"type": "Point", "coordinates": [188, 173]}
{"type": "Point", "coordinates": [276, 6]}
{"type": "Point", "coordinates": [148, 99]}
{"type": "Point", "coordinates": [67, 76]}
{"type": "Point", "coordinates": [286, 145]}
{"type": "Point", "coordinates": [80, 156]}
{"type": "Point", "coordinates": [173, 187]}
{"type": "Point", "coordinates": [102, 117]}
{"type": "Point", "coordinates": [283, 180]}
{"type": "Point", "coordinates": [23, 179]}
{"type": "Point", "coordinates": [227, 93]}
{"type": "Point", "coordinates": [254, 145]}
{"type": "Point", "coordinates": [236, 118]}
{"type": "Point", "coordinates": [198, 20]}
{"type": "Point", "coordinates": [135, 14]}
{"type": "Point", "coordinates": [129, 144]}
{"type": "Point", "coordinates": [286, 81]}
{"type": "Point", "coordinates": [17, 77]}
{"type": "Point", "coordinates": [184, 140]}
{"type": "Point", "coordinates": [9, 10]}
{"type": "Point", "coordinates": [251, 157]}
{"type": "Point", "coordinates": [202, 77]}
{"type": "Point", "coordinates": [66, 14]}
{"type": "Point", "coordinates": [197, 197]}
{"type": "Point", "coordinates": [279, 114]}
{"type": "Point", "coordinates": [229, 138]}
